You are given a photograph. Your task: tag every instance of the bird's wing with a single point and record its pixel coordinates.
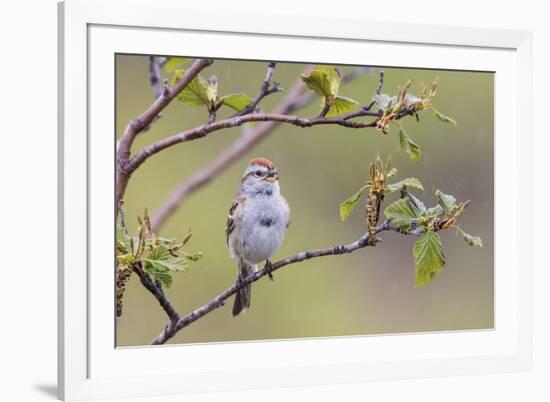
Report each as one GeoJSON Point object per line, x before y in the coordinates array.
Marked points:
{"type": "Point", "coordinates": [233, 217]}
{"type": "Point", "coordinates": [288, 211]}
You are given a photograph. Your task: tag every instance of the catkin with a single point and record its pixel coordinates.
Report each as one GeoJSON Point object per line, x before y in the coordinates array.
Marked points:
{"type": "Point", "coordinates": [123, 273]}
{"type": "Point", "coordinates": [372, 215]}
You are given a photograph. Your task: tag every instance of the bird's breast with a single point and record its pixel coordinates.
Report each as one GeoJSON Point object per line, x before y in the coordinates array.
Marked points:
{"type": "Point", "coordinates": [264, 226]}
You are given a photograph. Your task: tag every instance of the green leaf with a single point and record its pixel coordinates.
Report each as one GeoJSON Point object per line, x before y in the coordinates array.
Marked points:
{"type": "Point", "coordinates": [392, 172]}
{"type": "Point", "coordinates": [441, 117]}
{"type": "Point", "coordinates": [411, 182]}
{"type": "Point", "coordinates": [173, 264]}
{"type": "Point", "coordinates": [384, 101]}
{"type": "Point", "coordinates": [469, 239]}
{"type": "Point", "coordinates": [347, 206]}
{"type": "Point", "coordinates": [125, 259]}
{"type": "Point", "coordinates": [428, 257]}
{"type": "Point", "coordinates": [237, 101]}
{"type": "Point", "coordinates": [193, 257]}
{"type": "Point", "coordinates": [195, 94]}
{"type": "Point", "coordinates": [187, 237]}
{"type": "Point", "coordinates": [173, 63]}
{"type": "Point", "coordinates": [159, 259]}
{"type": "Point", "coordinates": [401, 213]}
{"type": "Point", "coordinates": [324, 80]}
{"type": "Point", "coordinates": [165, 240]}
{"type": "Point", "coordinates": [419, 205]}
{"type": "Point", "coordinates": [341, 105]}
{"type": "Point", "coordinates": [445, 200]}
{"type": "Point", "coordinates": [163, 277]}
{"type": "Point", "coordinates": [212, 92]}
{"type": "Point", "coordinates": [409, 146]}
{"type": "Point", "coordinates": [122, 239]}
{"type": "Point", "coordinates": [473, 240]}
{"type": "Point", "coordinates": [433, 212]}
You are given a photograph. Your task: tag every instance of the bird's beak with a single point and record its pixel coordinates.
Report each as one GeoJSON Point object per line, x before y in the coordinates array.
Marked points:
{"type": "Point", "coordinates": [272, 176]}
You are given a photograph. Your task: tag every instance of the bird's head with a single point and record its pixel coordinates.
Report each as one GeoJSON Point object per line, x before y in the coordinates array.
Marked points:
{"type": "Point", "coordinates": [260, 176]}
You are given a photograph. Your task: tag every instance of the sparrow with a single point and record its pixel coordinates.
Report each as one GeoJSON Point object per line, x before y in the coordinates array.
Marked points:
{"type": "Point", "coordinates": [256, 225]}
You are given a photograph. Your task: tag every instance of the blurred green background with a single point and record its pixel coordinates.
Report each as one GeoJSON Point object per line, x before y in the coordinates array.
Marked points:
{"type": "Point", "coordinates": [368, 292]}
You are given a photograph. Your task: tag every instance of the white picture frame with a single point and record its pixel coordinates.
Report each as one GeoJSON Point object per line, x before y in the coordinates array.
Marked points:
{"type": "Point", "coordinates": [89, 365]}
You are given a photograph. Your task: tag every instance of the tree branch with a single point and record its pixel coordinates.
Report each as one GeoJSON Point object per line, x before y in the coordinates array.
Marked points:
{"type": "Point", "coordinates": [155, 77]}
{"type": "Point", "coordinates": [144, 120]}
{"type": "Point", "coordinates": [204, 130]}
{"type": "Point", "coordinates": [174, 327]}
{"type": "Point", "coordinates": [156, 291]}
{"type": "Point", "coordinates": [296, 98]}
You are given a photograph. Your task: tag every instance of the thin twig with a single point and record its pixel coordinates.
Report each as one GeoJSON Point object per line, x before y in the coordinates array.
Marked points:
{"type": "Point", "coordinates": [325, 109]}
{"type": "Point", "coordinates": [122, 221]}
{"type": "Point", "coordinates": [212, 117]}
{"type": "Point", "coordinates": [218, 301]}
{"type": "Point", "coordinates": [364, 111]}
{"type": "Point", "coordinates": [380, 83]}
{"type": "Point", "coordinates": [265, 90]}
{"type": "Point", "coordinates": [154, 76]}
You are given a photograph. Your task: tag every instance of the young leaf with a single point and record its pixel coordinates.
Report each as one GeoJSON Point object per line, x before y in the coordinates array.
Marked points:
{"type": "Point", "coordinates": [195, 93]}
{"type": "Point", "coordinates": [473, 240]}
{"type": "Point", "coordinates": [469, 239]}
{"type": "Point", "coordinates": [409, 146]}
{"type": "Point", "coordinates": [160, 259]}
{"type": "Point", "coordinates": [411, 182]}
{"type": "Point", "coordinates": [391, 172]}
{"type": "Point", "coordinates": [445, 200]}
{"type": "Point", "coordinates": [186, 238]}
{"type": "Point", "coordinates": [173, 63]}
{"type": "Point", "coordinates": [401, 213]}
{"type": "Point", "coordinates": [193, 257]}
{"type": "Point", "coordinates": [347, 206]}
{"type": "Point", "coordinates": [125, 259]}
{"type": "Point", "coordinates": [441, 117]}
{"type": "Point", "coordinates": [324, 80]}
{"type": "Point", "coordinates": [411, 100]}
{"type": "Point", "coordinates": [122, 240]}
{"type": "Point", "coordinates": [212, 92]}
{"type": "Point", "coordinates": [416, 203]}
{"type": "Point", "coordinates": [433, 212]}
{"type": "Point", "coordinates": [428, 257]}
{"type": "Point", "coordinates": [162, 265]}
{"type": "Point", "coordinates": [341, 105]}
{"type": "Point", "coordinates": [333, 77]}
{"type": "Point", "coordinates": [237, 101]}
{"type": "Point", "coordinates": [163, 277]}
{"type": "Point", "coordinates": [383, 101]}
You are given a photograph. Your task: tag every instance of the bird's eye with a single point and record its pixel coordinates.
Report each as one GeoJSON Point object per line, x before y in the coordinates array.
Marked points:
{"type": "Point", "coordinates": [258, 173]}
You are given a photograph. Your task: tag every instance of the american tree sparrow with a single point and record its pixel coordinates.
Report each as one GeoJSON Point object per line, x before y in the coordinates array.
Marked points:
{"type": "Point", "coordinates": [256, 225]}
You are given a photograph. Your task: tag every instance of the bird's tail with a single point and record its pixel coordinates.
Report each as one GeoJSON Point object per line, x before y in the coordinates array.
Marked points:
{"type": "Point", "coordinates": [242, 297]}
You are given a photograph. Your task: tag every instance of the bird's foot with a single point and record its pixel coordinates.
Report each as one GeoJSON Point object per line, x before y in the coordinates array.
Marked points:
{"type": "Point", "coordinates": [269, 268]}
